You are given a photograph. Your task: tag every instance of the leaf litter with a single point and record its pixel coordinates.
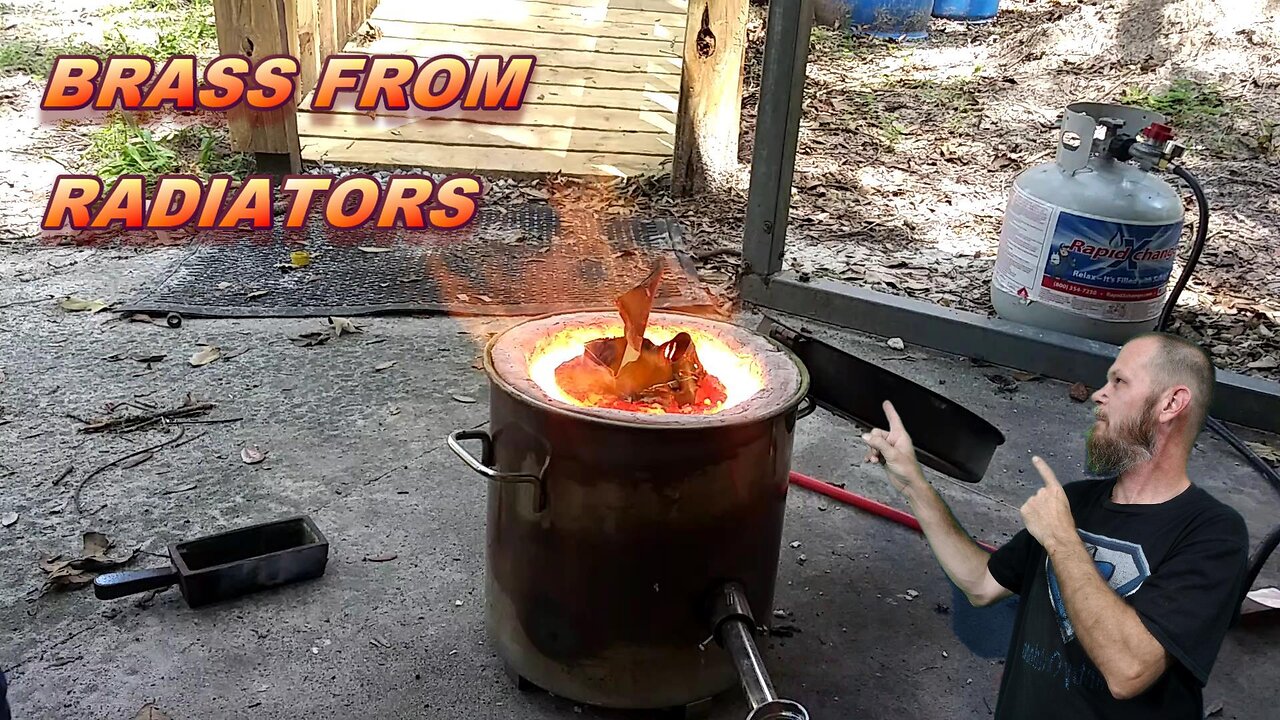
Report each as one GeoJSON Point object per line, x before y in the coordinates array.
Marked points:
{"type": "Point", "coordinates": [94, 559]}
{"type": "Point", "coordinates": [75, 304]}
{"type": "Point", "coordinates": [876, 204]}
{"type": "Point", "coordinates": [335, 327]}
{"type": "Point", "coordinates": [208, 354]}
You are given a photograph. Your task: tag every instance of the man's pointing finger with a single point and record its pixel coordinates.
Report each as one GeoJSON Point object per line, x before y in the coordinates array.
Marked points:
{"type": "Point", "coordinates": [1050, 480]}
{"type": "Point", "coordinates": [895, 422]}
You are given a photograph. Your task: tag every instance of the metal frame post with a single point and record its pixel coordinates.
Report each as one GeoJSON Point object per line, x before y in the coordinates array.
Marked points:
{"type": "Point", "coordinates": [1248, 401]}
{"type": "Point", "coordinates": [778, 118]}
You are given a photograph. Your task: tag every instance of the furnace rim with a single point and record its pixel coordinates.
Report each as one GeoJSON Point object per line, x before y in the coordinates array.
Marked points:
{"type": "Point", "coordinates": [785, 379]}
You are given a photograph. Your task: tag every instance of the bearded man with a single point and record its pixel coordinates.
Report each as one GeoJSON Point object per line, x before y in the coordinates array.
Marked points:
{"type": "Point", "coordinates": [1128, 581]}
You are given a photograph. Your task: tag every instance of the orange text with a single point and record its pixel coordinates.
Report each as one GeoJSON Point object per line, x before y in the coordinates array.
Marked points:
{"type": "Point", "coordinates": [410, 201]}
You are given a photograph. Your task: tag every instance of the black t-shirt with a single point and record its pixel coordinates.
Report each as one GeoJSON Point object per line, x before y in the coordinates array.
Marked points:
{"type": "Point", "coordinates": [1180, 564]}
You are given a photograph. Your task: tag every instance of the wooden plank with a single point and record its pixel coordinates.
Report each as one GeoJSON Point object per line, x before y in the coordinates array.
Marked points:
{"type": "Point", "coordinates": [305, 42]}
{"type": "Point", "coordinates": [605, 79]}
{"type": "Point", "coordinates": [665, 85]}
{"type": "Point", "coordinates": [707, 124]}
{"type": "Point", "coordinates": [501, 10]}
{"type": "Point", "coordinates": [587, 118]}
{"type": "Point", "coordinates": [257, 28]}
{"type": "Point", "coordinates": [657, 32]}
{"type": "Point", "coordinates": [443, 131]}
{"type": "Point", "coordinates": [535, 35]}
{"type": "Point", "coordinates": [542, 94]}
{"type": "Point", "coordinates": [461, 158]}
{"type": "Point", "coordinates": [669, 6]}
{"type": "Point", "coordinates": [327, 28]}
{"type": "Point", "coordinates": [579, 59]}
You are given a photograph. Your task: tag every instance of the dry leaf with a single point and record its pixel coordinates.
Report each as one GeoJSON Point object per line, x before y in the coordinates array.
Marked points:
{"type": "Point", "coordinates": [395, 410]}
{"type": "Point", "coordinates": [77, 572]}
{"type": "Point", "coordinates": [1266, 452]}
{"type": "Point", "coordinates": [311, 339]}
{"type": "Point", "coordinates": [375, 249]}
{"type": "Point", "coordinates": [1003, 383]}
{"type": "Point", "coordinates": [339, 325]}
{"type": "Point", "coordinates": [256, 294]}
{"type": "Point", "coordinates": [150, 712]}
{"type": "Point", "coordinates": [206, 356]}
{"type": "Point", "coordinates": [384, 366]}
{"type": "Point", "coordinates": [485, 298]}
{"type": "Point", "coordinates": [153, 358]}
{"type": "Point", "coordinates": [252, 455]}
{"type": "Point", "coordinates": [1079, 392]}
{"type": "Point", "coordinates": [463, 297]}
{"type": "Point", "coordinates": [1022, 376]}
{"type": "Point", "coordinates": [96, 543]}
{"type": "Point", "coordinates": [74, 304]}
{"type": "Point", "coordinates": [381, 558]}
{"type": "Point", "coordinates": [464, 398]}
{"type": "Point", "coordinates": [8, 519]}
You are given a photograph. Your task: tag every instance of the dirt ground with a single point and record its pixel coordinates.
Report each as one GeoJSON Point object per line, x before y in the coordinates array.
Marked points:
{"type": "Point", "coordinates": [906, 154]}
{"type": "Point", "coordinates": [907, 150]}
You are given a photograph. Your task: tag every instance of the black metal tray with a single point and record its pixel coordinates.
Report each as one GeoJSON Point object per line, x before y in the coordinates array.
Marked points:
{"type": "Point", "coordinates": [230, 564]}
{"type": "Point", "coordinates": [948, 437]}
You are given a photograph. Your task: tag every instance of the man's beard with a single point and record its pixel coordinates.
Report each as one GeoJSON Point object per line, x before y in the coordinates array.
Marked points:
{"type": "Point", "coordinates": [1120, 447]}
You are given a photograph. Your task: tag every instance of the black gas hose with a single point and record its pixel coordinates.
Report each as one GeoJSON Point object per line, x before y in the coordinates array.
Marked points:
{"type": "Point", "coordinates": [1272, 540]}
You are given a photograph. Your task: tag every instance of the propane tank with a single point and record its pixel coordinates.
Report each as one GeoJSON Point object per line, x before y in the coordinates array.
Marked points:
{"type": "Point", "coordinates": [1089, 240]}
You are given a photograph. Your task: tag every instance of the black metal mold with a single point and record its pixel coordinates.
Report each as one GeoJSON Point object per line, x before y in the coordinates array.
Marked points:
{"type": "Point", "coordinates": [948, 437]}
{"type": "Point", "coordinates": [228, 565]}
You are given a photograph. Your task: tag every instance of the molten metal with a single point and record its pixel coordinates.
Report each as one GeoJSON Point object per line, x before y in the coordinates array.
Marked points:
{"type": "Point", "coordinates": [631, 372]}
{"type": "Point", "coordinates": [731, 366]}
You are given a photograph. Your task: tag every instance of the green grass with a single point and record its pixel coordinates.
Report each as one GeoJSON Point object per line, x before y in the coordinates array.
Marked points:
{"type": "Point", "coordinates": [122, 147]}
{"type": "Point", "coordinates": [34, 58]}
{"type": "Point", "coordinates": [1185, 102]}
{"type": "Point", "coordinates": [182, 27]}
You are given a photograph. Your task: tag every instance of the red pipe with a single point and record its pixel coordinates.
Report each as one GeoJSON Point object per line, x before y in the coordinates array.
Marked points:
{"type": "Point", "coordinates": [864, 503]}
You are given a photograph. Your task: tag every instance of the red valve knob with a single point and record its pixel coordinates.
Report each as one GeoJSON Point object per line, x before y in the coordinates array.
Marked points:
{"type": "Point", "coordinates": [1158, 133]}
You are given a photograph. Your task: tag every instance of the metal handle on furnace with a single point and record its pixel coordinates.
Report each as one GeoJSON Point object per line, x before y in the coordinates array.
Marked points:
{"type": "Point", "coordinates": [734, 629]}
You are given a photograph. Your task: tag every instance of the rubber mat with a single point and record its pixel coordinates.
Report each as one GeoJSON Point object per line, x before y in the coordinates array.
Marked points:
{"type": "Point", "coordinates": [522, 260]}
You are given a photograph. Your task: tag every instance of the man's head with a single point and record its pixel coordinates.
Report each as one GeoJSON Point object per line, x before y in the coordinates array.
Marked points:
{"type": "Point", "coordinates": [1156, 399]}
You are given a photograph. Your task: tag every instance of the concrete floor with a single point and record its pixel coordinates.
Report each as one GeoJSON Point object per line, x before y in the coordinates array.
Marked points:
{"type": "Point", "coordinates": [390, 639]}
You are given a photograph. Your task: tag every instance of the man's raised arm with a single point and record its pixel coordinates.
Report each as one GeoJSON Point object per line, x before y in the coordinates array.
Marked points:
{"type": "Point", "coordinates": [964, 561]}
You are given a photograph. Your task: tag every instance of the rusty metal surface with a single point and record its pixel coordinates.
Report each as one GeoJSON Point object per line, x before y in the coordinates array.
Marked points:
{"type": "Point", "coordinates": [606, 596]}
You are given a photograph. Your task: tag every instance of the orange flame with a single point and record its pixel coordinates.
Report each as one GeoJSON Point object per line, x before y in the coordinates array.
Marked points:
{"type": "Point", "coordinates": [741, 373]}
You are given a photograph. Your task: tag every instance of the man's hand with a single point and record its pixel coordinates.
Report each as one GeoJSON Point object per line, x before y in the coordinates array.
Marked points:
{"type": "Point", "coordinates": [1047, 514]}
{"type": "Point", "coordinates": [894, 450]}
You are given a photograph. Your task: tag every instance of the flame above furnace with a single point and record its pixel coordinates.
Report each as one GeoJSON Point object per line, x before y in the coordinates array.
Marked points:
{"type": "Point", "coordinates": [631, 365]}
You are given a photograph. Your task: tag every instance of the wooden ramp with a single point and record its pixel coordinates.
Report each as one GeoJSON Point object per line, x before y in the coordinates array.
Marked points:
{"type": "Point", "coordinates": [603, 97]}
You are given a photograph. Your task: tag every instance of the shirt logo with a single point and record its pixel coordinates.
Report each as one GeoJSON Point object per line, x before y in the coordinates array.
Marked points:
{"type": "Point", "coordinates": [1122, 564]}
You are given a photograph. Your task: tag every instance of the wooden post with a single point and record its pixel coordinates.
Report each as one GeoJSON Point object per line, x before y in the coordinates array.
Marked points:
{"type": "Point", "coordinates": [258, 28]}
{"type": "Point", "coordinates": [707, 125]}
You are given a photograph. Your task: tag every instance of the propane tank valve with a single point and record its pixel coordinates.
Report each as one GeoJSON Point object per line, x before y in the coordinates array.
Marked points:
{"type": "Point", "coordinates": [1153, 148]}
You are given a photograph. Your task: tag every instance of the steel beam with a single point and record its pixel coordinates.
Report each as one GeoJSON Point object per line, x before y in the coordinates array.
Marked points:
{"type": "Point", "coordinates": [1239, 399]}
{"type": "Point", "coordinates": [773, 157]}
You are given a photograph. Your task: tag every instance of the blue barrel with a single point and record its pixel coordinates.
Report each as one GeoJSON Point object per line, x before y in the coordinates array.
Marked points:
{"type": "Point", "coordinates": [966, 10]}
{"type": "Point", "coordinates": [890, 19]}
